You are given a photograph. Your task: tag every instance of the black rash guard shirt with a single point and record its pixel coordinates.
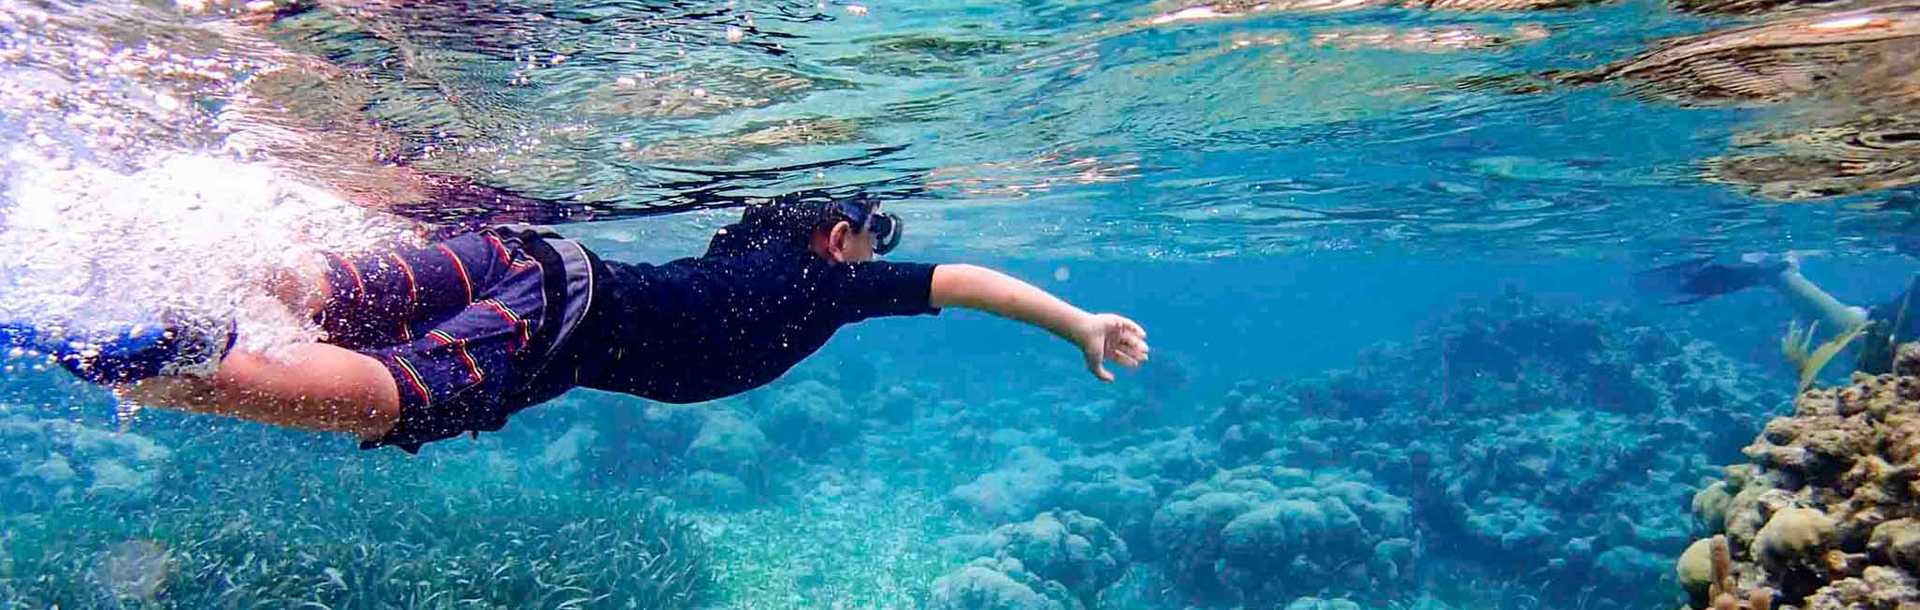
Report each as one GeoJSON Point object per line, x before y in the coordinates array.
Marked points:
{"type": "Point", "coordinates": [697, 329]}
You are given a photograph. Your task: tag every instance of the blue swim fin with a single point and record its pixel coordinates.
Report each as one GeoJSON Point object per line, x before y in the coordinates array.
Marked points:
{"type": "Point", "coordinates": [131, 353]}
{"type": "Point", "coordinates": [1695, 280]}
{"type": "Point", "coordinates": [14, 335]}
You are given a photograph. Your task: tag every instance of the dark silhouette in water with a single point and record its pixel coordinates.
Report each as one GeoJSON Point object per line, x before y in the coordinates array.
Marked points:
{"type": "Point", "coordinates": [1699, 279]}
{"type": "Point", "coordinates": [1908, 244]}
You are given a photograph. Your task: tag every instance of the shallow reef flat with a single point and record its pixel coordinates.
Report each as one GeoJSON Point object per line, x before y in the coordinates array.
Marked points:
{"type": "Point", "coordinates": [1513, 454]}
{"type": "Point", "coordinates": [857, 544]}
{"type": "Point", "coordinates": [230, 526]}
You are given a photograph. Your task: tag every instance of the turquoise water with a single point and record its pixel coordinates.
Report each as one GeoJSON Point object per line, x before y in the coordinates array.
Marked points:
{"type": "Point", "coordinates": [1384, 251]}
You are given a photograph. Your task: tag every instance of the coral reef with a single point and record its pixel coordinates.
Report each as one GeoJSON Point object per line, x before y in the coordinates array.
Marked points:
{"type": "Point", "coordinates": [808, 418]}
{"type": "Point", "coordinates": [1823, 516]}
{"type": "Point", "coordinates": [44, 463]}
{"type": "Point", "coordinates": [714, 454]}
{"type": "Point", "coordinates": [999, 584]}
{"type": "Point", "coordinates": [729, 445]}
{"type": "Point", "coordinates": [1540, 447]}
{"type": "Point", "coordinates": [1264, 533]}
{"type": "Point", "coordinates": [1515, 455]}
{"type": "Point", "coordinates": [1550, 440]}
{"type": "Point", "coordinates": [1069, 548]}
{"type": "Point", "coordinates": [1020, 487]}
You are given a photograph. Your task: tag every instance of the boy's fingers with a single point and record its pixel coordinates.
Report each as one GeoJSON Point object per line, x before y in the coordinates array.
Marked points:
{"type": "Point", "coordinates": [1096, 365]}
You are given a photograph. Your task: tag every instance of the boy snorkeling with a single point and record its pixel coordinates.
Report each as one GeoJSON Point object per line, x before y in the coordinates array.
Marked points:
{"type": "Point", "coordinates": [424, 344]}
{"type": "Point", "coordinates": [1887, 325]}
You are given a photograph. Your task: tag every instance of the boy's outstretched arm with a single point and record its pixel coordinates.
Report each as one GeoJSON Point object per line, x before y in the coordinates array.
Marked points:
{"type": "Point", "coordinates": [1100, 337]}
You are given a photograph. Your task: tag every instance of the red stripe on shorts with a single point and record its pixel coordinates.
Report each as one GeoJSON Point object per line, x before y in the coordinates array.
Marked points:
{"type": "Point", "coordinates": [359, 285]}
{"type": "Point", "coordinates": [460, 267]}
{"type": "Point", "coordinates": [413, 284]}
{"type": "Point", "coordinates": [526, 333]}
{"type": "Point", "coordinates": [501, 247]}
{"type": "Point", "coordinates": [414, 381]}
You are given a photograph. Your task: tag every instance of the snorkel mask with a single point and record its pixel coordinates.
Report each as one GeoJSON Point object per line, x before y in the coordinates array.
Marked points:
{"type": "Point", "coordinates": [864, 212]}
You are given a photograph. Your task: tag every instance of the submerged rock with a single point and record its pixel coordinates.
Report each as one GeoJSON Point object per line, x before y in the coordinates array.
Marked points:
{"type": "Point", "coordinates": [49, 462]}
{"type": "Point", "coordinates": [998, 584]}
{"type": "Point", "coordinates": [1019, 488]}
{"type": "Point", "coordinates": [1824, 514]}
{"type": "Point", "coordinates": [808, 418]}
{"type": "Point", "coordinates": [1066, 547]}
{"type": "Point", "coordinates": [728, 443]}
{"type": "Point", "coordinates": [714, 490]}
{"type": "Point", "coordinates": [1265, 533]}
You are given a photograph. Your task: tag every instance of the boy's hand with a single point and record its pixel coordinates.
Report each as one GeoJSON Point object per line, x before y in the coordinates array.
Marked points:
{"type": "Point", "coordinates": [1106, 336]}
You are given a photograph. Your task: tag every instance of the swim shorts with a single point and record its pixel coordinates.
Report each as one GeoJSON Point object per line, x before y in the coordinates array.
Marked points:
{"type": "Point", "coordinates": [464, 325]}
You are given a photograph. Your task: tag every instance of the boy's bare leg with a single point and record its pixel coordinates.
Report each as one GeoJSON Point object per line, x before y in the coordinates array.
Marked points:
{"type": "Point", "coordinates": [313, 385]}
{"type": "Point", "coordinates": [1810, 300]}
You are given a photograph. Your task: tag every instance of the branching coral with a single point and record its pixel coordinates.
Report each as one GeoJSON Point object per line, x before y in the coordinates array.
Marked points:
{"type": "Point", "coordinates": [1723, 592]}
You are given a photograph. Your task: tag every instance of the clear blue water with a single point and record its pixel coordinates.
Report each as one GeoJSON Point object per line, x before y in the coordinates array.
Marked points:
{"type": "Point", "coordinates": [1383, 250]}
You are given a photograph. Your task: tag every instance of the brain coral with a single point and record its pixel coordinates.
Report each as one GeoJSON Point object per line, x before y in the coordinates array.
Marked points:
{"type": "Point", "coordinates": [1251, 533]}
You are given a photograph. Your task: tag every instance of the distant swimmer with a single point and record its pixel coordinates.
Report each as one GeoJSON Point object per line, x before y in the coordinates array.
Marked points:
{"type": "Point", "coordinates": [423, 344]}
{"type": "Point", "coordinates": [1885, 326]}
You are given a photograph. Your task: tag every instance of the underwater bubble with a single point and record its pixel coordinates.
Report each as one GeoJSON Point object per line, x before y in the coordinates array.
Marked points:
{"type": "Point", "coordinates": [95, 248]}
